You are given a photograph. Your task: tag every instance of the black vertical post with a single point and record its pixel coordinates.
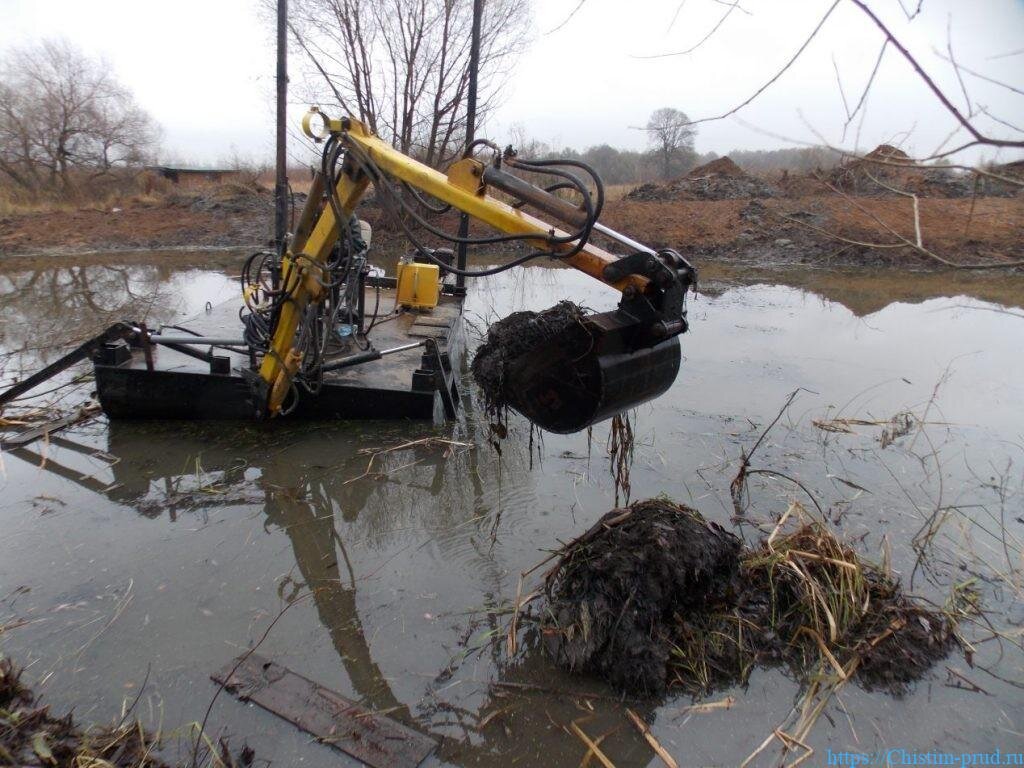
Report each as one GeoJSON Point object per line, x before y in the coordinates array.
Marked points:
{"type": "Point", "coordinates": [281, 183]}
{"type": "Point", "coordinates": [474, 66]}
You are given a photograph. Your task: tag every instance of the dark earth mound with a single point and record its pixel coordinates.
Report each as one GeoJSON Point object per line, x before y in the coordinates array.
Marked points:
{"type": "Point", "coordinates": [653, 596]}
{"type": "Point", "coordinates": [887, 171]}
{"type": "Point", "coordinates": [721, 166]}
{"type": "Point", "coordinates": [616, 594]}
{"type": "Point", "coordinates": [721, 179]}
{"type": "Point", "coordinates": [512, 337]}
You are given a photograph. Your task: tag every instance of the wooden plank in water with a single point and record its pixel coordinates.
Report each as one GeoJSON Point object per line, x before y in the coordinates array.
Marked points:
{"type": "Point", "coordinates": [440, 322]}
{"type": "Point", "coordinates": [374, 739]}
{"type": "Point", "coordinates": [428, 332]}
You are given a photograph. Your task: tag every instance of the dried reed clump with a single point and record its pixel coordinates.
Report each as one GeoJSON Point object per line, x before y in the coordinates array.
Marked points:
{"type": "Point", "coordinates": [31, 736]}
{"type": "Point", "coordinates": [809, 601]}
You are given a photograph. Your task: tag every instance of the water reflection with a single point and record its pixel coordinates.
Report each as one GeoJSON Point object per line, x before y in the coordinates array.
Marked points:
{"type": "Point", "coordinates": [311, 490]}
{"type": "Point", "coordinates": [45, 311]}
{"type": "Point", "coordinates": [866, 291]}
{"type": "Point", "coordinates": [412, 566]}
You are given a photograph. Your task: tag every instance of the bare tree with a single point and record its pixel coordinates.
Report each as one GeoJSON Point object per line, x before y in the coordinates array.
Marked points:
{"type": "Point", "coordinates": [671, 134]}
{"type": "Point", "coordinates": [402, 66]}
{"type": "Point", "coordinates": [61, 111]}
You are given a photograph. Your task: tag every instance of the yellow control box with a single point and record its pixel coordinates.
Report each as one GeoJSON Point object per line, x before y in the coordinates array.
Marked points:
{"type": "Point", "coordinates": [418, 285]}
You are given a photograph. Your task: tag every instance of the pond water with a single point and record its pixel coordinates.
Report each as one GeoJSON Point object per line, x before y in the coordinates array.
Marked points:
{"type": "Point", "coordinates": [144, 556]}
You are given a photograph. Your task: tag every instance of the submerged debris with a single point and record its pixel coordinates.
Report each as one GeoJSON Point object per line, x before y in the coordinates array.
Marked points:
{"type": "Point", "coordinates": [511, 338]}
{"type": "Point", "coordinates": [654, 596]}
{"type": "Point", "coordinates": [30, 735]}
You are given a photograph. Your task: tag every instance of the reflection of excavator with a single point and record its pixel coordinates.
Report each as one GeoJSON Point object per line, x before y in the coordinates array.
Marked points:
{"type": "Point", "coordinates": [633, 355]}
{"type": "Point", "coordinates": [323, 518]}
{"type": "Point", "coordinates": [304, 315]}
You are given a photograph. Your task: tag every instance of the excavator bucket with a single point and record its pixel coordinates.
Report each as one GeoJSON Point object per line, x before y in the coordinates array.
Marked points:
{"type": "Point", "coordinates": [590, 372]}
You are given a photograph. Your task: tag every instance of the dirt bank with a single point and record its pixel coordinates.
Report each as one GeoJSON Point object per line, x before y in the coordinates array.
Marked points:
{"type": "Point", "coordinates": [829, 230]}
{"type": "Point", "coordinates": [218, 217]}
{"type": "Point", "coordinates": [823, 229]}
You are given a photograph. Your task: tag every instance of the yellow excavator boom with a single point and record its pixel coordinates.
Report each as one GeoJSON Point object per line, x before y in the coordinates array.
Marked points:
{"type": "Point", "coordinates": [465, 186]}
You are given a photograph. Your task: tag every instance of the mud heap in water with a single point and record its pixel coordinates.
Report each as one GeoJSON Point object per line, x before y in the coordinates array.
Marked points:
{"type": "Point", "coordinates": [510, 338]}
{"type": "Point", "coordinates": [619, 588]}
{"type": "Point", "coordinates": [653, 596]}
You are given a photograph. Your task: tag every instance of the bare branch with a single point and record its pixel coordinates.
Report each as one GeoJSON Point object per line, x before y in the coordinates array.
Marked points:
{"type": "Point", "coordinates": [675, 16]}
{"type": "Point", "coordinates": [567, 18]}
{"type": "Point", "coordinates": [986, 78]}
{"type": "Point", "coordinates": [867, 87]}
{"type": "Point", "coordinates": [732, 7]}
{"type": "Point", "coordinates": [779, 73]}
{"type": "Point", "coordinates": [842, 93]}
{"type": "Point", "coordinates": [979, 137]}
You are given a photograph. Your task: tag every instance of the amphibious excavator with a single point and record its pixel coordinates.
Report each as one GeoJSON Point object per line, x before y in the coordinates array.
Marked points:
{"type": "Point", "coordinates": [306, 316]}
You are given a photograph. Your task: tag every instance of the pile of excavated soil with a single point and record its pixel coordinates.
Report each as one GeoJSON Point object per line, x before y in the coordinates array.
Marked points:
{"type": "Point", "coordinates": [722, 166]}
{"type": "Point", "coordinates": [231, 198]}
{"type": "Point", "coordinates": [519, 334]}
{"type": "Point", "coordinates": [887, 169]}
{"type": "Point", "coordinates": [885, 166]}
{"type": "Point", "coordinates": [653, 596]}
{"type": "Point", "coordinates": [721, 179]}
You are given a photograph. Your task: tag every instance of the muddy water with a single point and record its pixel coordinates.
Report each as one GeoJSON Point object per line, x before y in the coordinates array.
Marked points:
{"type": "Point", "coordinates": [145, 556]}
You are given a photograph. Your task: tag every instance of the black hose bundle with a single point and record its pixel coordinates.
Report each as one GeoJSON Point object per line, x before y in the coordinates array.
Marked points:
{"type": "Point", "coordinates": [396, 205]}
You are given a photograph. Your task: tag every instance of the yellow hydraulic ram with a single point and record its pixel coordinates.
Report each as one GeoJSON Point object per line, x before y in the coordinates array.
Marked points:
{"type": "Point", "coordinates": [463, 187]}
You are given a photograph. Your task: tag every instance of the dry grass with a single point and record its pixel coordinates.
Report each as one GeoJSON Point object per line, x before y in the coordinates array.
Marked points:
{"type": "Point", "coordinates": [809, 601]}
{"type": "Point", "coordinates": [31, 735]}
{"type": "Point", "coordinates": [615, 192]}
{"type": "Point", "coordinates": [89, 194]}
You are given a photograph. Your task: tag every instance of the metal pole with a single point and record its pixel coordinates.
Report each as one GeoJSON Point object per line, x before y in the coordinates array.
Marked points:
{"type": "Point", "coordinates": [474, 66]}
{"type": "Point", "coordinates": [281, 185]}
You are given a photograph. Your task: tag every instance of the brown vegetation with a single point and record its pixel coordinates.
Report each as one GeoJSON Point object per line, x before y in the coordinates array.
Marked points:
{"type": "Point", "coordinates": [213, 216]}
{"type": "Point", "coordinates": [65, 121]}
{"type": "Point", "coordinates": [31, 735]}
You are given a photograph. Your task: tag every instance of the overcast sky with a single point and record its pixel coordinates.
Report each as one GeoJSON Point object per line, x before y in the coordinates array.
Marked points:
{"type": "Point", "coordinates": [204, 70]}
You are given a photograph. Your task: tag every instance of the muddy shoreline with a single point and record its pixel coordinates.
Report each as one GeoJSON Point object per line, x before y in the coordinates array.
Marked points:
{"type": "Point", "coordinates": [811, 231]}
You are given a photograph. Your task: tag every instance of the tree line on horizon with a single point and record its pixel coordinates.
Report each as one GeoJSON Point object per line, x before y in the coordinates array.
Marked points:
{"type": "Point", "coordinates": [632, 166]}
{"type": "Point", "coordinates": [93, 132]}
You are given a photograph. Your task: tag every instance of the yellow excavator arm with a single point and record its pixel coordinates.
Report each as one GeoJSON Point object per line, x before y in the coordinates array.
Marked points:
{"type": "Point", "coordinates": [653, 283]}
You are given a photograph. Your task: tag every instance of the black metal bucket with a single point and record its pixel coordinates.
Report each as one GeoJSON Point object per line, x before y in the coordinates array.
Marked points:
{"type": "Point", "coordinates": [562, 390]}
